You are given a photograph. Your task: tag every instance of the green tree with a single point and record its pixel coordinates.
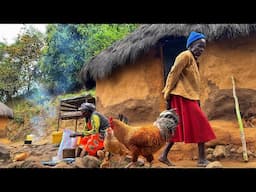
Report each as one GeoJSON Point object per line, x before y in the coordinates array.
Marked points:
{"type": "Point", "coordinates": [101, 36]}
{"type": "Point", "coordinates": [9, 75]}
{"type": "Point", "coordinates": [18, 63]}
{"type": "Point", "coordinates": [29, 45]}
{"type": "Point", "coordinates": [70, 46]}
{"type": "Point", "coordinates": [62, 59]}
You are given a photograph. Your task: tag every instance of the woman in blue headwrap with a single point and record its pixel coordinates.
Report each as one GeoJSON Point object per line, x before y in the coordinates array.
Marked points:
{"type": "Point", "coordinates": [181, 91]}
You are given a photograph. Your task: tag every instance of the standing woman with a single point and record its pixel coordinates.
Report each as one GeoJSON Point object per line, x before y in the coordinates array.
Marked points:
{"type": "Point", "coordinates": [182, 92]}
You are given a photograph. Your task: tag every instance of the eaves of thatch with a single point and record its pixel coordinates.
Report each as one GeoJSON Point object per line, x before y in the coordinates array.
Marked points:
{"type": "Point", "coordinates": [147, 36]}
{"type": "Point", "coordinates": [5, 111]}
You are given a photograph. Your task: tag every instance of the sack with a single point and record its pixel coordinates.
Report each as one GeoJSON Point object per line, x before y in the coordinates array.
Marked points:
{"type": "Point", "coordinates": [67, 142]}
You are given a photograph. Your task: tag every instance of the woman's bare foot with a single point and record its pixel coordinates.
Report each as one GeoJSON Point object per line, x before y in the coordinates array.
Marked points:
{"type": "Point", "coordinates": [165, 161]}
{"type": "Point", "coordinates": [83, 153]}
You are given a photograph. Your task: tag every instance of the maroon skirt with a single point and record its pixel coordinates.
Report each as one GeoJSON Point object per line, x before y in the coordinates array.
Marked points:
{"type": "Point", "coordinates": [193, 125]}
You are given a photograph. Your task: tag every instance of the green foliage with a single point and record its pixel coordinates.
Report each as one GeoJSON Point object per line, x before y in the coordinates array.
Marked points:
{"type": "Point", "coordinates": [25, 110]}
{"type": "Point", "coordinates": [10, 81]}
{"type": "Point", "coordinates": [63, 58]}
{"type": "Point", "coordinates": [101, 36]}
{"type": "Point", "coordinates": [70, 46]}
{"type": "Point", "coordinates": [78, 94]}
{"type": "Point", "coordinates": [18, 119]}
{"type": "Point", "coordinates": [20, 125]}
{"type": "Point", "coordinates": [18, 63]}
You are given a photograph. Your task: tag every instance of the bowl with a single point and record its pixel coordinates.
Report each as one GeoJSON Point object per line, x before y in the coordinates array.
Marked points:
{"type": "Point", "coordinates": [27, 142]}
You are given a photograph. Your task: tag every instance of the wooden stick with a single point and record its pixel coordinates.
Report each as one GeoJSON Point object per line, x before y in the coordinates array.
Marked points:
{"type": "Point", "coordinates": [238, 115]}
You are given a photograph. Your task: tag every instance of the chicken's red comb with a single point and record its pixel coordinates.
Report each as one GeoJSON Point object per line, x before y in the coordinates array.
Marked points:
{"type": "Point", "coordinates": [111, 122]}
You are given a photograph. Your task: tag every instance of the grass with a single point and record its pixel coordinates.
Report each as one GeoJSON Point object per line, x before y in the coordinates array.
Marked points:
{"type": "Point", "coordinates": [25, 109]}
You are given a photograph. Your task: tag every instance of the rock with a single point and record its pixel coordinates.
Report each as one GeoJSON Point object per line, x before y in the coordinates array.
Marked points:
{"type": "Point", "coordinates": [105, 164]}
{"type": "Point", "coordinates": [91, 161]}
{"type": "Point", "coordinates": [209, 150]}
{"type": "Point", "coordinates": [63, 164]}
{"type": "Point", "coordinates": [31, 162]}
{"type": "Point", "coordinates": [79, 162]}
{"type": "Point", "coordinates": [210, 157]}
{"type": "Point", "coordinates": [21, 156]}
{"type": "Point", "coordinates": [14, 165]}
{"type": "Point", "coordinates": [215, 164]}
{"type": "Point", "coordinates": [240, 150]}
{"type": "Point", "coordinates": [219, 151]}
{"type": "Point", "coordinates": [140, 162]}
{"type": "Point", "coordinates": [249, 153]}
{"type": "Point", "coordinates": [128, 158]}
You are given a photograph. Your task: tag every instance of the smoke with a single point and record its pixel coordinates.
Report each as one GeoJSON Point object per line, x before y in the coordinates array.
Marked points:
{"type": "Point", "coordinates": [43, 100]}
{"type": "Point", "coordinates": [38, 126]}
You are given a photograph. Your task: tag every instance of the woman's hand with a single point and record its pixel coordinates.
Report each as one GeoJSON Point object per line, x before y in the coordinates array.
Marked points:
{"type": "Point", "coordinates": [76, 134]}
{"type": "Point", "coordinates": [73, 135]}
{"type": "Point", "coordinates": [167, 96]}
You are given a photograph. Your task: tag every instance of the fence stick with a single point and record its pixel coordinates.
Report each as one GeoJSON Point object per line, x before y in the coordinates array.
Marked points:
{"type": "Point", "coordinates": [238, 115]}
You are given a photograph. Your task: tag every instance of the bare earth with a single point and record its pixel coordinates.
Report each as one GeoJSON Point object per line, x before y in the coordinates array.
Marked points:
{"type": "Point", "coordinates": [182, 155]}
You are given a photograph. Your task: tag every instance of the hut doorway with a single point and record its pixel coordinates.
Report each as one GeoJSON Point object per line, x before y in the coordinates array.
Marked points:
{"type": "Point", "coordinates": [171, 48]}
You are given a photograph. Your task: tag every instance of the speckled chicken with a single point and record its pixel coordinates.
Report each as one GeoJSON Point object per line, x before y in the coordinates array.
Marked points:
{"type": "Point", "coordinates": [146, 140]}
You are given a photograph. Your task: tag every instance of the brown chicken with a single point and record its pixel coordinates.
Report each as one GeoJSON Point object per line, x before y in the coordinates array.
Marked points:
{"type": "Point", "coordinates": [146, 140]}
{"type": "Point", "coordinates": [112, 145]}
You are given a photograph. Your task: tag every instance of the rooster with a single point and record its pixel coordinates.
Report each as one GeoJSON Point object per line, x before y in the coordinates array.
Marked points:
{"type": "Point", "coordinates": [146, 140]}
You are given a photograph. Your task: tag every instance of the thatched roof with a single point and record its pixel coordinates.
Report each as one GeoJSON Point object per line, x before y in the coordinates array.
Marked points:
{"type": "Point", "coordinates": [5, 111]}
{"type": "Point", "coordinates": [146, 36]}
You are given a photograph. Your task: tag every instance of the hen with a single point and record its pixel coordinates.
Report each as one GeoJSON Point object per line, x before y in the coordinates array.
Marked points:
{"type": "Point", "coordinates": [146, 140]}
{"type": "Point", "coordinates": [113, 146]}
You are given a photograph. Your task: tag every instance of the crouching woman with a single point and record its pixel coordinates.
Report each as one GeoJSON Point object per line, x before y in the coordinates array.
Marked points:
{"type": "Point", "coordinates": [92, 138]}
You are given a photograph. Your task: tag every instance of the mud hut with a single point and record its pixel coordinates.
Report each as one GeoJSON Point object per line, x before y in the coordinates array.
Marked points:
{"type": "Point", "coordinates": [5, 114]}
{"type": "Point", "coordinates": [130, 74]}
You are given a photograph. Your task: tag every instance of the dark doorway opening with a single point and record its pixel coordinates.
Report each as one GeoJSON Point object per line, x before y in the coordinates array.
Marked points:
{"type": "Point", "coordinates": [171, 48]}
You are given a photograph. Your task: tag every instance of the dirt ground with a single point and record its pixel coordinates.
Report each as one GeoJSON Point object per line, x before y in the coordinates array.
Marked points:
{"type": "Point", "coordinates": [44, 151]}
{"type": "Point", "coordinates": [182, 155]}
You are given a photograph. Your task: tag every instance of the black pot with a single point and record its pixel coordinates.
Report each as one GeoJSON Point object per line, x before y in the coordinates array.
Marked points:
{"type": "Point", "coordinates": [27, 142]}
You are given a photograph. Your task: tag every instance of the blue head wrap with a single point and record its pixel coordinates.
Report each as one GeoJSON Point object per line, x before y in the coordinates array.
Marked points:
{"type": "Point", "coordinates": [193, 36]}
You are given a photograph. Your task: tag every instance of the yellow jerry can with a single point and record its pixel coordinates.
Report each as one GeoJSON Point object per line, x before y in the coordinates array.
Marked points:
{"type": "Point", "coordinates": [56, 137]}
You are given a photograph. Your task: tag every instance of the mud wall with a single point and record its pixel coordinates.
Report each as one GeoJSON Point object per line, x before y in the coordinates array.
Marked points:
{"type": "Point", "coordinates": [219, 62]}
{"type": "Point", "coordinates": [3, 123]}
{"type": "Point", "coordinates": [133, 90]}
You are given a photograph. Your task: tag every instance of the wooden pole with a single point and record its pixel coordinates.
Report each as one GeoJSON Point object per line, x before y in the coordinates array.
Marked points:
{"type": "Point", "coordinates": [76, 126]}
{"type": "Point", "coordinates": [245, 156]}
